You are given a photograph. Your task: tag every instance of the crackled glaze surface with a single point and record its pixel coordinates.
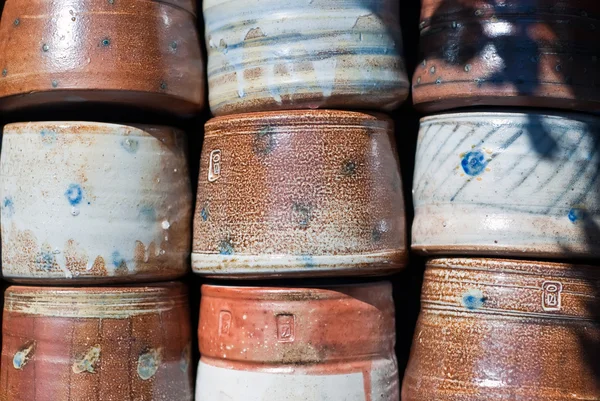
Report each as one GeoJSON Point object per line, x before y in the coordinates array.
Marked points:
{"type": "Point", "coordinates": [79, 344]}
{"type": "Point", "coordinates": [140, 52]}
{"type": "Point", "coordinates": [494, 329]}
{"type": "Point", "coordinates": [93, 202]}
{"type": "Point", "coordinates": [509, 184]}
{"type": "Point", "coordinates": [299, 193]}
{"type": "Point", "coordinates": [297, 344]}
{"type": "Point", "coordinates": [541, 53]}
{"type": "Point", "coordinates": [285, 54]}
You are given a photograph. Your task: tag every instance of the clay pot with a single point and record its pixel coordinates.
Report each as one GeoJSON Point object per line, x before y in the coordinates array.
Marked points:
{"type": "Point", "coordinates": [92, 202]}
{"type": "Point", "coordinates": [140, 52]}
{"type": "Point", "coordinates": [299, 193]}
{"type": "Point", "coordinates": [119, 343]}
{"type": "Point", "coordinates": [285, 54]}
{"type": "Point", "coordinates": [540, 53]}
{"type": "Point", "coordinates": [510, 184]}
{"type": "Point", "coordinates": [313, 344]}
{"type": "Point", "coordinates": [494, 329]}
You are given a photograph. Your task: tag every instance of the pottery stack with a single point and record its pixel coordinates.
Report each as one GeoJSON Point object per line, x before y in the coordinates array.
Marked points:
{"type": "Point", "coordinates": [508, 202]}
{"type": "Point", "coordinates": [297, 181]}
{"type": "Point", "coordinates": [86, 204]}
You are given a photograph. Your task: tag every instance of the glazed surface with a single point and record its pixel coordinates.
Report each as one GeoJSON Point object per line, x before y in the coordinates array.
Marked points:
{"type": "Point", "coordinates": [96, 344]}
{"type": "Point", "coordinates": [509, 184]}
{"type": "Point", "coordinates": [499, 329]}
{"type": "Point", "coordinates": [94, 202]}
{"type": "Point", "coordinates": [137, 52]}
{"type": "Point", "coordinates": [540, 53]}
{"type": "Point", "coordinates": [282, 54]}
{"type": "Point", "coordinates": [299, 193]}
{"type": "Point", "coordinates": [299, 340]}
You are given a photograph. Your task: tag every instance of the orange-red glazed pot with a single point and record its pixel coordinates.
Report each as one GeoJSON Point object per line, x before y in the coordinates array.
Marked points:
{"type": "Point", "coordinates": [494, 329]}
{"type": "Point", "coordinates": [310, 344]}
{"type": "Point", "coordinates": [103, 343]}
{"type": "Point", "coordinates": [540, 53]}
{"type": "Point", "coordinates": [140, 52]}
{"type": "Point", "coordinates": [299, 193]}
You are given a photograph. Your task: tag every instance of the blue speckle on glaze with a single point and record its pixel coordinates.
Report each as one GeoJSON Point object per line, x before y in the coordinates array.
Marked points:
{"type": "Point", "coordinates": [308, 261]}
{"type": "Point", "coordinates": [117, 259]}
{"type": "Point", "coordinates": [8, 206]}
{"type": "Point", "coordinates": [474, 163]}
{"type": "Point", "coordinates": [473, 299]}
{"type": "Point", "coordinates": [204, 213]}
{"type": "Point", "coordinates": [148, 213]}
{"type": "Point", "coordinates": [48, 136]}
{"type": "Point", "coordinates": [130, 145]}
{"type": "Point", "coordinates": [226, 248]}
{"type": "Point", "coordinates": [74, 194]}
{"type": "Point", "coordinates": [575, 214]}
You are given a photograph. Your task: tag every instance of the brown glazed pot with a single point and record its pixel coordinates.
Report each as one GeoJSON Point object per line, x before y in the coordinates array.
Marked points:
{"type": "Point", "coordinates": [79, 344]}
{"type": "Point", "coordinates": [299, 193]}
{"type": "Point", "coordinates": [539, 53]}
{"type": "Point", "coordinates": [140, 52]}
{"type": "Point", "coordinates": [493, 329]}
{"type": "Point", "coordinates": [309, 344]}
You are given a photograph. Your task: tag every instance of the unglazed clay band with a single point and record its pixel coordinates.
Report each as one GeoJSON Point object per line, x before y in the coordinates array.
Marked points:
{"type": "Point", "coordinates": [91, 304]}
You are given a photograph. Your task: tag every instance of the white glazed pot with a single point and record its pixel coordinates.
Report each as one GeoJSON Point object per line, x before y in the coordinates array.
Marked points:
{"type": "Point", "coordinates": [513, 184]}
{"type": "Point", "coordinates": [284, 54]}
{"type": "Point", "coordinates": [94, 202]}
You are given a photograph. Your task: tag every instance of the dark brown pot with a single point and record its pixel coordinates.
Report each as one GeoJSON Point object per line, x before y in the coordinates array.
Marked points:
{"type": "Point", "coordinates": [145, 53]}
{"type": "Point", "coordinates": [75, 344]}
{"type": "Point", "coordinates": [299, 193]}
{"type": "Point", "coordinates": [539, 53]}
{"type": "Point", "coordinates": [494, 329]}
{"type": "Point", "coordinates": [297, 343]}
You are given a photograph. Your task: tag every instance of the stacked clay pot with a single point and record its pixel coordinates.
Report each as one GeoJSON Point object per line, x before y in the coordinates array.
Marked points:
{"type": "Point", "coordinates": [299, 178]}
{"type": "Point", "coordinates": [497, 188]}
{"type": "Point", "coordinates": [101, 209]}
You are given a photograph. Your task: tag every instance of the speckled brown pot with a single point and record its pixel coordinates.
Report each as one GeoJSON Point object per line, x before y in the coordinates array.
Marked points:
{"type": "Point", "coordinates": [86, 202]}
{"type": "Point", "coordinates": [494, 329]}
{"type": "Point", "coordinates": [140, 52]}
{"type": "Point", "coordinates": [299, 193]}
{"type": "Point", "coordinates": [79, 344]}
{"type": "Point", "coordinates": [539, 53]}
{"type": "Point", "coordinates": [304, 343]}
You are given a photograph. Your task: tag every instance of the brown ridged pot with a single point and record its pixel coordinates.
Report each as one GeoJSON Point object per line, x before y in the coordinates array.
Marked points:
{"type": "Point", "coordinates": [493, 329]}
{"type": "Point", "coordinates": [297, 343]}
{"type": "Point", "coordinates": [137, 52]}
{"type": "Point", "coordinates": [299, 193]}
{"type": "Point", "coordinates": [540, 53]}
{"type": "Point", "coordinates": [103, 343]}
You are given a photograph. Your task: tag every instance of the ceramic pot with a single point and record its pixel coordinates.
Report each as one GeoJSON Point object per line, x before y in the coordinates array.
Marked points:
{"type": "Point", "coordinates": [284, 54]}
{"type": "Point", "coordinates": [299, 193]}
{"type": "Point", "coordinates": [111, 343]}
{"type": "Point", "coordinates": [511, 184]}
{"type": "Point", "coordinates": [92, 202]}
{"type": "Point", "coordinates": [538, 53]}
{"type": "Point", "coordinates": [494, 329]}
{"type": "Point", "coordinates": [139, 52]}
{"type": "Point", "coordinates": [313, 344]}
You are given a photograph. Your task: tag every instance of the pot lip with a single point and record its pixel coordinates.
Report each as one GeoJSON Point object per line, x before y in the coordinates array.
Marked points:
{"type": "Point", "coordinates": [328, 117]}
{"type": "Point", "coordinates": [291, 292]}
{"type": "Point", "coordinates": [79, 124]}
{"type": "Point", "coordinates": [150, 289]}
{"type": "Point", "coordinates": [507, 265]}
{"type": "Point", "coordinates": [512, 113]}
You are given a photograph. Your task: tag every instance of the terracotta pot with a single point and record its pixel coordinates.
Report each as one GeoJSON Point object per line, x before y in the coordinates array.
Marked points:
{"type": "Point", "coordinates": [140, 52]}
{"type": "Point", "coordinates": [92, 202]}
{"type": "Point", "coordinates": [299, 193]}
{"type": "Point", "coordinates": [539, 53]}
{"type": "Point", "coordinates": [494, 329]}
{"type": "Point", "coordinates": [119, 343]}
{"type": "Point", "coordinates": [312, 344]}
{"type": "Point", "coordinates": [285, 54]}
{"type": "Point", "coordinates": [510, 184]}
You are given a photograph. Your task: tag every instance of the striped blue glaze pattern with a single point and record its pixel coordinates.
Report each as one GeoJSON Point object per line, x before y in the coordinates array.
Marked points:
{"type": "Point", "coordinates": [521, 184]}
{"type": "Point", "coordinates": [287, 54]}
